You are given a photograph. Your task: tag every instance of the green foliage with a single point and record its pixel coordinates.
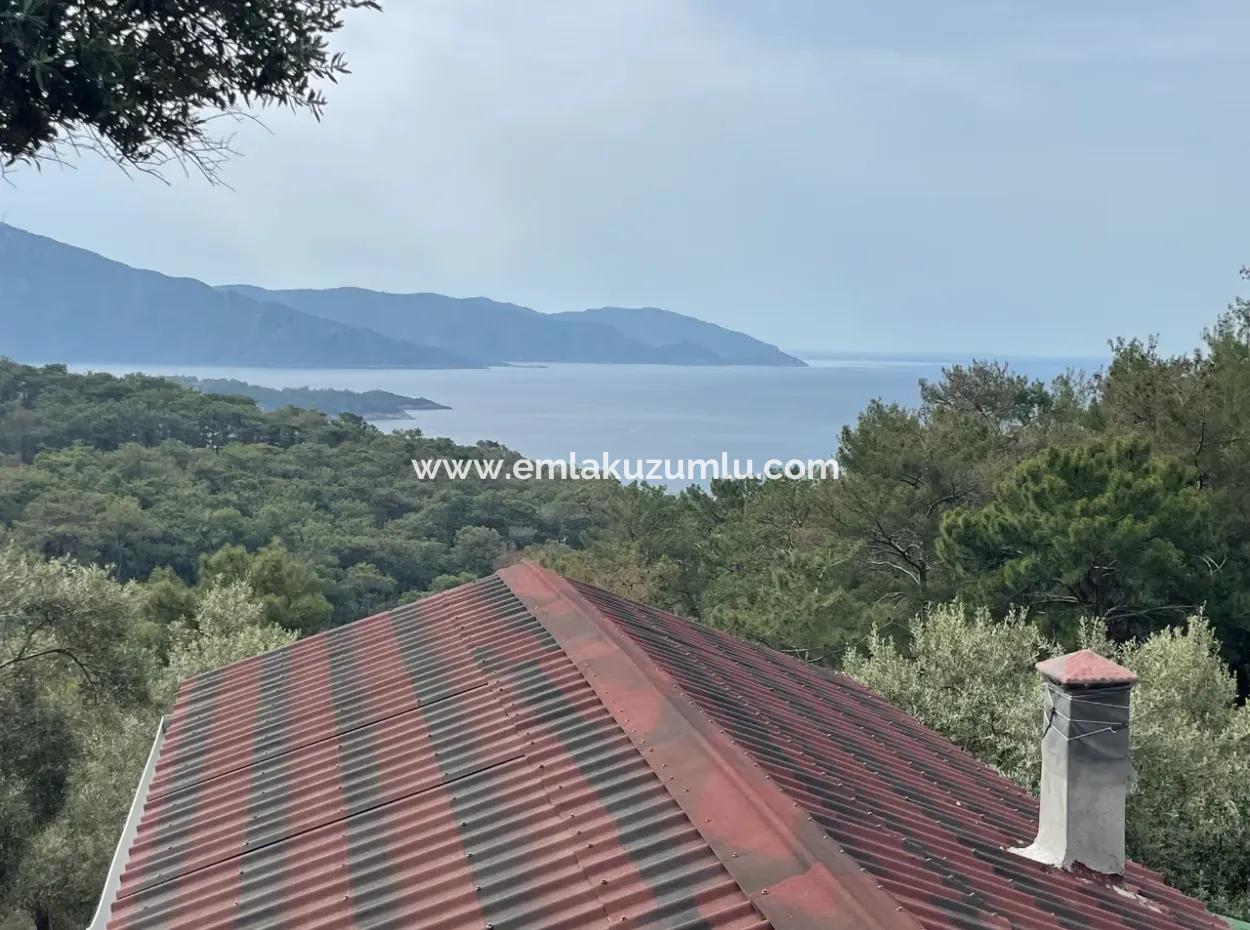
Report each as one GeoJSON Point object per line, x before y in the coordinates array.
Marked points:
{"type": "Point", "coordinates": [1196, 408]}
{"type": "Point", "coordinates": [897, 485]}
{"type": "Point", "coordinates": [81, 689]}
{"type": "Point", "coordinates": [752, 557]}
{"type": "Point", "coordinates": [147, 476]}
{"type": "Point", "coordinates": [905, 469]}
{"type": "Point", "coordinates": [1188, 809]}
{"type": "Point", "coordinates": [478, 548]}
{"type": "Point", "coordinates": [167, 598]}
{"type": "Point", "coordinates": [288, 589]}
{"type": "Point", "coordinates": [364, 590]}
{"type": "Point", "coordinates": [1103, 527]}
{"type": "Point", "coordinates": [622, 569]}
{"type": "Point", "coordinates": [968, 675]}
{"type": "Point", "coordinates": [49, 408]}
{"type": "Point", "coordinates": [774, 572]}
{"type": "Point", "coordinates": [66, 624]}
{"type": "Point", "coordinates": [70, 665]}
{"type": "Point", "coordinates": [447, 582]}
{"type": "Point", "coordinates": [367, 404]}
{"type": "Point", "coordinates": [796, 603]}
{"type": "Point", "coordinates": [142, 81]}
{"type": "Point", "coordinates": [58, 879]}
{"type": "Point", "coordinates": [229, 624]}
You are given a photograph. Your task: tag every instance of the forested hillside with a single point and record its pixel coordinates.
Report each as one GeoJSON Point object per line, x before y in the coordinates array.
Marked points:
{"type": "Point", "coordinates": [219, 530]}
{"type": "Point", "coordinates": [372, 405]}
{"type": "Point", "coordinates": [145, 475]}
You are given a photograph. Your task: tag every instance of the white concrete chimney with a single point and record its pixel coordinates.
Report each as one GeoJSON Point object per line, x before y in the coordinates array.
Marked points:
{"type": "Point", "coordinates": [1085, 763]}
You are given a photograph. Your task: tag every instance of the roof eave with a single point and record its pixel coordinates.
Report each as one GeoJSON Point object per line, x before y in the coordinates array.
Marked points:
{"type": "Point", "coordinates": [122, 852]}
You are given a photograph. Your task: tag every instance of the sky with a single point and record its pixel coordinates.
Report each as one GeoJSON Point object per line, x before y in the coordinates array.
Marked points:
{"type": "Point", "coordinates": [911, 177]}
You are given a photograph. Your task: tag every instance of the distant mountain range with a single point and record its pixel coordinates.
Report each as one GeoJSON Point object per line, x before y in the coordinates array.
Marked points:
{"type": "Point", "coordinates": [61, 303]}
{"type": "Point", "coordinates": [496, 332]}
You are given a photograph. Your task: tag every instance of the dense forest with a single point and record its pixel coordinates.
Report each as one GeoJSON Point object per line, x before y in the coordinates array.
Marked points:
{"type": "Point", "coordinates": [150, 531]}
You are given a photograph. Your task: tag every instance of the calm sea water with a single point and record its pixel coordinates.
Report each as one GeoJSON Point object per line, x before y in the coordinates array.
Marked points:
{"type": "Point", "coordinates": [637, 411]}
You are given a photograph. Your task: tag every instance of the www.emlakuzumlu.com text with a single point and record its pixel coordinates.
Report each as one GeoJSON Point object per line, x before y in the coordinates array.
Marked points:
{"type": "Point", "coordinates": [627, 469]}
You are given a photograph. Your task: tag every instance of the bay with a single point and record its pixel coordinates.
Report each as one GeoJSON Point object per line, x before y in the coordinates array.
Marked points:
{"type": "Point", "coordinates": [638, 411]}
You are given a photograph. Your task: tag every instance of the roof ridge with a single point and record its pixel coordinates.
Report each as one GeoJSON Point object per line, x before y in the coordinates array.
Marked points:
{"type": "Point", "coordinates": [793, 872]}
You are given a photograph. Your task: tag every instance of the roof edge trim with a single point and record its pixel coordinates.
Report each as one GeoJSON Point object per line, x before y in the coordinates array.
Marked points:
{"type": "Point", "coordinates": [792, 871]}
{"type": "Point", "coordinates": [113, 883]}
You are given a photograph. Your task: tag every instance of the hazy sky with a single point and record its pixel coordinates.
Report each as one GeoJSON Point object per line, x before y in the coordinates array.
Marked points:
{"type": "Point", "coordinates": [911, 176]}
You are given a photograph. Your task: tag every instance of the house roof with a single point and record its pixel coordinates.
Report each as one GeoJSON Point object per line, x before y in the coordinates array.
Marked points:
{"type": "Point", "coordinates": [530, 753]}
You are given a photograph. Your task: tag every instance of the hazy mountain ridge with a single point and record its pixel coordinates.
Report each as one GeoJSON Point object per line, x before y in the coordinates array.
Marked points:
{"type": "Point", "coordinates": [495, 331]}
{"type": "Point", "coordinates": [60, 302]}
{"type": "Point", "coordinates": [659, 328]}
{"type": "Point", "coordinates": [489, 330]}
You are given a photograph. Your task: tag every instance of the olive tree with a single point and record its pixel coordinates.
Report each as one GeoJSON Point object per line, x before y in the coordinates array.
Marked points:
{"type": "Point", "coordinates": [72, 662]}
{"type": "Point", "coordinates": [83, 680]}
{"type": "Point", "coordinates": [143, 82]}
{"type": "Point", "coordinates": [1189, 801]}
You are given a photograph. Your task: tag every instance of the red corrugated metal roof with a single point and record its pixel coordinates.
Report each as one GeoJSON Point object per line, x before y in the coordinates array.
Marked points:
{"type": "Point", "coordinates": [527, 753]}
{"type": "Point", "coordinates": [933, 825]}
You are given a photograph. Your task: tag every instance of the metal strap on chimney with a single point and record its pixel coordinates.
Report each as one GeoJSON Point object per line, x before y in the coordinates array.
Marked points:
{"type": "Point", "coordinates": [1053, 711]}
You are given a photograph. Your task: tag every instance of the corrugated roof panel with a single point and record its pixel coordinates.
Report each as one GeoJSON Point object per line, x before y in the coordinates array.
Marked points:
{"type": "Point", "coordinates": [931, 823]}
{"type": "Point", "coordinates": [444, 765]}
{"type": "Point", "coordinates": [649, 864]}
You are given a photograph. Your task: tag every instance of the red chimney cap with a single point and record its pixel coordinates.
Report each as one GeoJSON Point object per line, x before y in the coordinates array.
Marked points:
{"type": "Point", "coordinates": [1085, 669]}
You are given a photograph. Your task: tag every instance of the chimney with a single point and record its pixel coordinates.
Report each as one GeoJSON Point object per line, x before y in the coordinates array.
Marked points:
{"type": "Point", "coordinates": [1085, 763]}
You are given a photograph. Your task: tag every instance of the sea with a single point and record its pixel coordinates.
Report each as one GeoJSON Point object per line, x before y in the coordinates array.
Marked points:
{"type": "Point", "coordinates": [639, 411]}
